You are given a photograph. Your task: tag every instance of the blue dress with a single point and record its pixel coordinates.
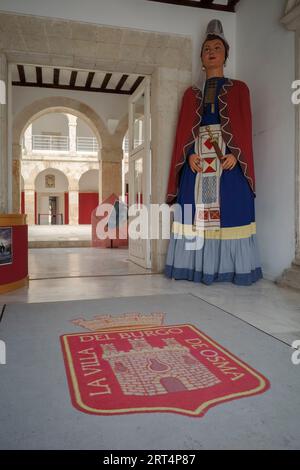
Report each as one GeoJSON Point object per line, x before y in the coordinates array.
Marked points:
{"type": "Point", "coordinates": [230, 253]}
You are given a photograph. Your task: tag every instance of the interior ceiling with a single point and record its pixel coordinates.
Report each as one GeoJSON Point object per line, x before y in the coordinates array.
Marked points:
{"type": "Point", "coordinates": [221, 5]}
{"type": "Point", "coordinates": [95, 81]}
{"type": "Point", "coordinates": [72, 79]}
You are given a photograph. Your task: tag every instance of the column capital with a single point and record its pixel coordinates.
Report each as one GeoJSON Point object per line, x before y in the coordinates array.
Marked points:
{"type": "Point", "coordinates": [72, 119]}
{"type": "Point", "coordinates": [29, 187]}
{"type": "Point", "coordinates": [74, 187]}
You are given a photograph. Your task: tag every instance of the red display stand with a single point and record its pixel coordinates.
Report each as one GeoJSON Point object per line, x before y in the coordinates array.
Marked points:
{"type": "Point", "coordinates": [121, 239]}
{"type": "Point", "coordinates": [13, 252]}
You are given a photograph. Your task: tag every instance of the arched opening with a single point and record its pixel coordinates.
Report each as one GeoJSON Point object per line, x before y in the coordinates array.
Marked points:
{"type": "Point", "coordinates": [57, 136]}
{"type": "Point", "coordinates": [51, 190]}
{"type": "Point", "coordinates": [68, 142]}
{"type": "Point", "coordinates": [88, 195]}
{"type": "Point", "coordinates": [37, 115]}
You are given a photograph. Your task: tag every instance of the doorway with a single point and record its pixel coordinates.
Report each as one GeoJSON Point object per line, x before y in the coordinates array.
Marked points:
{"type": "Point", "coordinates": [53, 211]}
{"type": "Point", "coordinates": [140, 170]}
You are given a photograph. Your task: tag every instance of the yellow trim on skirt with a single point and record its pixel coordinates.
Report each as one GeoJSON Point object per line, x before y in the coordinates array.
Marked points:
{"type": "Point", "coordinates": [231, 233]}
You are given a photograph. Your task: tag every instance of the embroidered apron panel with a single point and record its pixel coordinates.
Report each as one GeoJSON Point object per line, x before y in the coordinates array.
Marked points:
{"type": "Point", "coordinates": [207, 184]}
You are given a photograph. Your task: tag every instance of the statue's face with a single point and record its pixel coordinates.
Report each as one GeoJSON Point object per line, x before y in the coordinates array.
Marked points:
{"type": "Point", "coordinates": [213, 55]}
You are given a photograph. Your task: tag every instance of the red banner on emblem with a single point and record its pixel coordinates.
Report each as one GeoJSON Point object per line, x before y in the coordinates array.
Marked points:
{"type": "Point", "coordinates": [173, 368]}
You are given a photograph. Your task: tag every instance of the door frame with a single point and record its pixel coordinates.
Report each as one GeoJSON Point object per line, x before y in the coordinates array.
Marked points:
{"type": "Point", "coordinates": [141, 151]}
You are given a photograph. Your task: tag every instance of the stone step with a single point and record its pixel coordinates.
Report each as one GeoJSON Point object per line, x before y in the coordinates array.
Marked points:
{"type": "Point", "coordinates": [291, 277]}
{"type": "Point", "coordinates": [59, 243]}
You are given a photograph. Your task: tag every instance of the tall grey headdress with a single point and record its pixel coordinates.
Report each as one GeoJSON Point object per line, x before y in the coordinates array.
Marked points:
{"type": "Point", "coordinates": [215, 27]}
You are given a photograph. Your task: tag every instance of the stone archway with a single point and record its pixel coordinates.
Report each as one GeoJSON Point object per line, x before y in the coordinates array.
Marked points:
{"type": "Point", "coordinates": [88, 195]}
{"type": "Point", "coordinates": [167, 58]}
{"type": "Point", "coordinates": [72, 173]}
{"type": "Point", "coordinates": [40, 108]}
{"type": "Point", "coordinates": [40, 210]}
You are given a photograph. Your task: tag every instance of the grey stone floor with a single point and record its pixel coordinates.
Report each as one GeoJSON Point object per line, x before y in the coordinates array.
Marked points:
{"type": "Point", "coordinates": [59, 232]}
{"type": "Point", "coordinates": [46, 263]}
{"type": "Point", "coordinates": [36, 411]}
{"type": "Point", "coordinates": [99, 275]}
{"type": "Point", "coordinates": [273, 309]}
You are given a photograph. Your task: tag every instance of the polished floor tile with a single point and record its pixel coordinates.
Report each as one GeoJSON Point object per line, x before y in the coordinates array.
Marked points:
{"type": "Point", "coordinates": [50, 263]}
{"type": "Point", "coordinates": [59, 232]}
{"type": "Point", "coordinates": [87, 273]}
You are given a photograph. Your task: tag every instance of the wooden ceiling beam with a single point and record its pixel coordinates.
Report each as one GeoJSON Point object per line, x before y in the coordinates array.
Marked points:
{"type": "Point", "coordinates": [232, 4]}
{"type": "Point", "coordinates": [73, 78]}
{"type": "Point", "coordinates": [121, 82]}
{"type": "Point", "coordinates": [201, 4]}
{"type": "Point", "coordinates": [56, 76]}
{"type": "Point", "coordinates": [75, 88]}
{"type": "Point", "coordinates": [136, 84]}
{"type": "Point", "coordinates": [72, 81]}
{"type": "Point", "coordinates": [21, 71]}
{"type": "Point", "coordinates": [39, 75]}
{"type": "Point", "coordinates": [105, 81]}
{"type": "Point", "coordinates": [206, 3]}
{"type": "Point", "coordinates": [89, 79]}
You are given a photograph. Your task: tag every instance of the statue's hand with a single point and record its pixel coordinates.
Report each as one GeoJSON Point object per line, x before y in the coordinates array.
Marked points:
{"type": "Point", "coordinates": [195, 163]}
{"type": "Point", "coordinates": [229, 162]}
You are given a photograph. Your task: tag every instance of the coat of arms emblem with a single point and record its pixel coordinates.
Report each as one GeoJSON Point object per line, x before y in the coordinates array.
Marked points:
{"type": "Point", "coordinates": [174, 368]}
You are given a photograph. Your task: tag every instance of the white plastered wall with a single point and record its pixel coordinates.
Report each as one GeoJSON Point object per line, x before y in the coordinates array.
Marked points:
{"type": "Point", "coordinates": [265, 61]}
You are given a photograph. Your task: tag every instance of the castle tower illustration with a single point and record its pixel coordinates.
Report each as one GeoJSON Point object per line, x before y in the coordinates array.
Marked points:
{"type": "Point", "coordinates": [150, 370]}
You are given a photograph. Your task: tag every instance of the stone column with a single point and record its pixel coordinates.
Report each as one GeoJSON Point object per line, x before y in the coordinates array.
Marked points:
{"type": "Point", "coordinates": [73, 204]}
{"type": "Point", "coordinates": [17, 162]}
{"type": "Point", "coordinates": [291, 276]}
{"type": "Point", "coordinates": [72, 120]}
{"type": "Point", "coordinates": [28, 140]}
{"type": "Point", "coordinates": [110, 172]}
{"type": "Point", "coordinates": [16, 178]}
{"type": "Point", "coordinates": [167, 88]}
{"type": "Point", "coordinates": [29, 203]}
{"type": "Point", "coordinates": [3, 135]}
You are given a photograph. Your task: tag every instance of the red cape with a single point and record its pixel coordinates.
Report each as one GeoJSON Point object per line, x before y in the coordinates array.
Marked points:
{"type": "Point", "coordinates": [236, 127]}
